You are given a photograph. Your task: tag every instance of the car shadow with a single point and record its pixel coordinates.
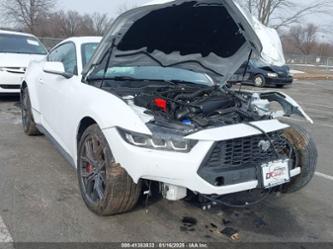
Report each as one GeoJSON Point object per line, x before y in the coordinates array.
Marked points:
{"type": "Point", "coordinates": [268, 218]}
{"type": "Point", "coordinates": [9, 98]}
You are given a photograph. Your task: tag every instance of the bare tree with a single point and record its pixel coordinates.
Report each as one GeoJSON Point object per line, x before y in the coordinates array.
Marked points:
{"type": "Point", "coordinates": [101, 23]}
{"type": "Point", "coordinates": [26, 13]}
{"type": "Point", "coordinates": [70, 23]}
{"type": "Point", "coordinates": [282, 13]}
{"type": "Point", "coordinates": [304, 38]}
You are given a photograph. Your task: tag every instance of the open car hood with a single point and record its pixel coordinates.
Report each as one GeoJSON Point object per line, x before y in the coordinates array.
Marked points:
{"type": "Point", "coordinates": [206, 36]}
{"type": "Point", "coordinates": [272, 51]}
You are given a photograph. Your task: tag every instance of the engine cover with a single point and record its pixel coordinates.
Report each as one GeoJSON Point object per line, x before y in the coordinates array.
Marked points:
{"type": "Point", "coordinates": [208, 105]}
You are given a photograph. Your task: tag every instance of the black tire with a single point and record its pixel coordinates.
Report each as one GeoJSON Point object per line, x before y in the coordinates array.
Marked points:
{"type": "Point", "coordinates": [259, 80]}
{"type": "Point", "coordinates": [306, 155]}
{"type": "Point", "coordinates": [228, 85]}
{"type": "Point", "coordinates": [29, 125]}
{"type": "Point", "coordinates": [105, 186]}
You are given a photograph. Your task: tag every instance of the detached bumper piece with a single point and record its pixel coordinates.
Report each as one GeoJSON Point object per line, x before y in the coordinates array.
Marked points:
{"type": "Point", "coordinates": [239, 160]}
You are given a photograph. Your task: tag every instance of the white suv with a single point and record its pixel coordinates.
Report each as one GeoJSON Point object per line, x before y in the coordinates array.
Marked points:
{"type": "Point", "coordinates": [16, 52]}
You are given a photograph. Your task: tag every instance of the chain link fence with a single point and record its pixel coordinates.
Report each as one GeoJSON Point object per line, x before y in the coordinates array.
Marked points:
{"type": "Point", "coordinates": [309, 60]}
{"type": "Point", "coordinates": [311, 64]}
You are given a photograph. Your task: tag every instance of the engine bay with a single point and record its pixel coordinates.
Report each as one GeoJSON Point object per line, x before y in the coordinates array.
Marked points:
{"type": "Point", "coordinates": [192, 107]}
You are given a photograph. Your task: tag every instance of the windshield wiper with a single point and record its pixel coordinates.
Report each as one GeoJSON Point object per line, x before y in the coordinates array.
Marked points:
{"type": "Point", "coordinates": [129, 78]}
{"type": "Point", "coordinates": [184, 82]}
{"type": "Point", "coordinates": [117, 78]}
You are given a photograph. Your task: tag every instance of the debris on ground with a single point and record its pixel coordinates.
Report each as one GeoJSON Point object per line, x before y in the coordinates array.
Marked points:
{"type": "Point", "coordinates": [226, 222]}
{"type": "Point", "coordinates": [213, 225]}
{"type": "Point", "coordinates": [188, 224]}
{"type": "Point", "coordinates": [231, 233]}
{"type": "Point", "coordinates": [189, 221]}
{"type": "Point", "coordinates": [259, 222]}
{"type": "Point", "coordinates": [213, 229]}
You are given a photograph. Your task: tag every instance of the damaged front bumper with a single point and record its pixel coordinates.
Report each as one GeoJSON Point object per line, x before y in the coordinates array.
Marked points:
{"type": "Point", "coordinates": [289, 105]}
{"type": "Point", "coordinates": [183, 169]}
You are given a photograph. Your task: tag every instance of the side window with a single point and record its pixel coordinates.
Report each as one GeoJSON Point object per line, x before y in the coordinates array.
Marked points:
{"type": "Point", "coordinates": [87, 51]}
{"type": "Point", "coordinates": [67, 55]}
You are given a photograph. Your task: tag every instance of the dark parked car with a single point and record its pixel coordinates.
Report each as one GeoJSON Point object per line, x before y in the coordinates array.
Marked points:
{"type": "Point", "coordinates": [261, 74]}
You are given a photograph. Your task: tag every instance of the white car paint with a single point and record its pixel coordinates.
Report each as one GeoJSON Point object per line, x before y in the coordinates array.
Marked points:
{"type": "Point", "coordinates": [13, 65]}
{"type": "Point", "coordinates": [60, 104]}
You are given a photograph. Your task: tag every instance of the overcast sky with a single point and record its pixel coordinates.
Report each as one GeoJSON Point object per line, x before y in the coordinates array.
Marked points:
{"type": "Point", "coordinates": [106, 6]}
{"type": "Point", "coordinates": [112, 7]}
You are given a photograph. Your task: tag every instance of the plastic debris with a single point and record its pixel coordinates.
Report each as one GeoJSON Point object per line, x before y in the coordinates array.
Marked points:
{"type": "Point", "coordinates": [231, 233]}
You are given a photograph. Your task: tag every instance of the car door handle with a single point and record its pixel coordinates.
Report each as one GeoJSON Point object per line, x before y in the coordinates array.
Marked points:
{"type": "Point", "coordinates": [41, 81]}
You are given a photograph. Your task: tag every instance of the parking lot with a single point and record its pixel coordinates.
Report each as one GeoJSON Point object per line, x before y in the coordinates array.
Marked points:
{"type": "Point", "coordinates": [40, 199]}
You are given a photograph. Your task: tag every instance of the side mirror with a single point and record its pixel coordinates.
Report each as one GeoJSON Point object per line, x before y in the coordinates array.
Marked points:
{"type": "Point", "coordinates": [57, 68]}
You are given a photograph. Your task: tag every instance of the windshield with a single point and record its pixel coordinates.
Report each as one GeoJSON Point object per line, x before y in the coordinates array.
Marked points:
{"type": "Point", "coordinates": [88, 50]}
{"type": "Point", "coordinates": [20, 44]}
{"type": "Point", "coordinates": [156, 73]}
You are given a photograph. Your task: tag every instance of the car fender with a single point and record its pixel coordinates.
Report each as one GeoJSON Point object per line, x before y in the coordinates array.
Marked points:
{"type": "Point", "coordinates": [31, 79]}
{"type": "Point", "coordinates": [110, 110]}
{"type": "Point", "coordinates": [289, 105]}
{"type": "Point", "coordinates": [107, 110]}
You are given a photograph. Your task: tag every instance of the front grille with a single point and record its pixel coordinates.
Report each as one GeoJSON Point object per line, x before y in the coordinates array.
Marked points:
{"type": "Point", "coordinates": [10, 86]}
{"type": "Point", "coordinates": [16, 70]}
{"type": "Point", "coordinates": [246, 151]}
{"type": "Point", "coordinates": [283, 74]}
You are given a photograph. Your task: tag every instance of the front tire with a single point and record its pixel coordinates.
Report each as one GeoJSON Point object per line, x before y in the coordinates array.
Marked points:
{"type": "Point", "coordinates": [29, 125]}
{"type": "Point", "coordinates": [259, 80]}
{"type": "Point", "coordinates": [306, 155]}
{"type": "Point", "coordinates": [105, 186]}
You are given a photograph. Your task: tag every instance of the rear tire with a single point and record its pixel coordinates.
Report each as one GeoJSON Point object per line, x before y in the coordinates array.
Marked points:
{"type": "Point", "coordinates": [105, 186]}
{"type": "Point", "coordinates": [29, 125]}
{"type": "Point", "coordinates": [306, 157]}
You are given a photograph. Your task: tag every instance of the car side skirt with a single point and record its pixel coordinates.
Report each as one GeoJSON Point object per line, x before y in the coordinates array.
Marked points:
{"type": "Point", "coordinates": [57, 146]}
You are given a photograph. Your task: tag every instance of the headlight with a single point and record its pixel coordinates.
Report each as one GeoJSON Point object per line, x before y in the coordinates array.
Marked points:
{"type": "Point", "coordinates": [272, 75]}
{"type": "Point", "coordinates": [158, 141]}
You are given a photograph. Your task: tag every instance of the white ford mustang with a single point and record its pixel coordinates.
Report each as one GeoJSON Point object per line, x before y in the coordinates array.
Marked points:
{"type": "Point", "coordinates": [150, 106]}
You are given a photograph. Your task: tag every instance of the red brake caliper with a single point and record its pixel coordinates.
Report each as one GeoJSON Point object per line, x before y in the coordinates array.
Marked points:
{"type": "Point", "coordinates": [89, 168]}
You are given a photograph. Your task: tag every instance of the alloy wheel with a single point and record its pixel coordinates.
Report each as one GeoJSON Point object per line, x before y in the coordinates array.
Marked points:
{"type": "Point", "coordinates": [258, 81]}
{"type": "Point", "coordinates": [93, 169]}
